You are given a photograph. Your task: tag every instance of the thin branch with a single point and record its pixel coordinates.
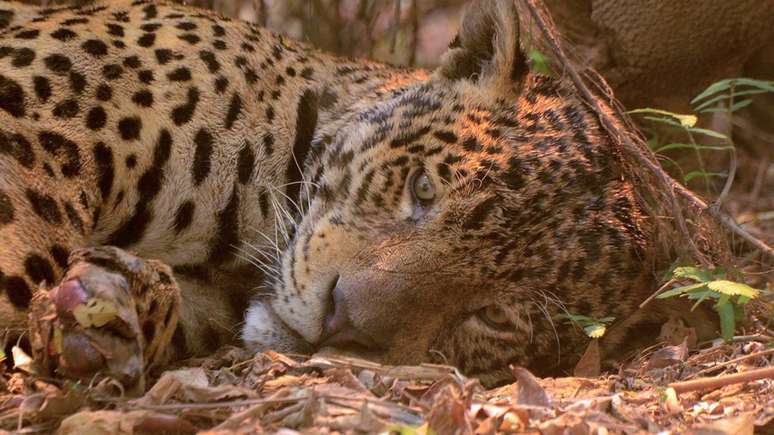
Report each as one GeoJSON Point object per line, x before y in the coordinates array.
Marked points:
{"type": "Point", "coordinates": [714, 382]}
{"type": "Point", "coordinates": [642, 156]}
{"type": "Point", "coordinates": [733, 361]}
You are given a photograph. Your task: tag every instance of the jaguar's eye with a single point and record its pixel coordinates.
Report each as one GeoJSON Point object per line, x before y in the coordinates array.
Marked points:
{"type": "Point", "coordinates": [423, 188]}
{"type": "Point", "coordinates": [494, 316]}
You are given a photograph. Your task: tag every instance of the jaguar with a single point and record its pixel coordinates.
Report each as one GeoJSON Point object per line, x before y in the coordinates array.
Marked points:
{"type": "Point", "coordinates": [172, 180]}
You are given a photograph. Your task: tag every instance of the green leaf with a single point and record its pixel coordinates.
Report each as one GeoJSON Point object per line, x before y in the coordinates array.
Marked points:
{"type": "Point", "coordinates": [697, 274]}
{"type": "Point", "coordinates": [707, 132]}
{"type": "Point", "coordinates": [539, 62]}
{"type": "Point", "coordinates": [714, 88]}
{"type": "Point", "coordinates": [732, 288]}
{"type": "Point", "coordinates": [701, 296]}
{"type": "Point", "coordinates": [677, 291]}
{"type": "Point", "coordinates": [685, 120]}
{"type": "Point", "coordinates": [765, 85]}
{"type": "Point", "coordinates": [722, 85]}
{"type": "Point", "coordinates": [701, 107]}
{"type": "Point", "coordinates": [727, 321]}
{"type": "Point", "coordinates": [677, 146]}
{"type": "Point", "coordinates": [701, 174]}
{"type": "Point", "coordinates": [740, 105]}
{"type": "Point", "coordinates": [667, 121]}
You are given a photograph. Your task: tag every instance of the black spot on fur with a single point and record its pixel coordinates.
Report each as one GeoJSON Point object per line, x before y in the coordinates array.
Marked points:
{"type": "Point", "coordinates": [45, 207]}
{"type": "Point", "coordinates": [11, 97]}
{"type": "Point", "coordinates": [446, 136]}
{"type": "Point", "coordinates": [64, 149]}
{"type": "Point", "coordinates": [190, 38]}
{"type": "Point", "coordinates": [130, 128]}
{"type": "Point", "coordinates": [209, 59]}
{"type": "Point", "coordinates": [39, 269]}
{"type": "Point", "coordinates": [478, 215]}
{"type": "Point", "coordinates": [184, 216]}
{"type": "Point", "coordinates": [95, 47]}
{"type": "Point", "coordinates": [103, 156]}
{"type": "Point", "coordinates": [202, 155]}
{"type": "Point", "coordinates": [74, 217]}
{"type": "Point", "coordinates": [143, 98]}
{"type": "Point", "coordinates": [186, 25]}
{"type": "Point", "coordinates": [66, 109]}
{"type": "Point", "coordinates": [115, 30]}
{"type": "Point", "coordinates": [28, 34]}
{"type": "Point", "coordinates": [182, 114]}
{"type": "Point", "coordinates": [234, 108]}
{"type": "Point", "coordinates": [96, 118]}
{"type": "Point", "coordinates": [7, 210]}
{"type": "Point", "coordinates": [77, 82]}
{"type": "Point", "coordinates": [146, 40]}
{"type": "Point", "coordinates": [60, 255]}
{"type": "Point", "coordinates": [150, 27]}
{"type": "Point", "coordinates": [306, 123]}
{"type": "Point", "coordinates": [42, 88]}
{"type": "Point", "coordinates": [148, 187]}
{"type": "Point", "coordinates": [163, 55]}
{"type": "Point", "coordinates": [409, 138]}
{"type": "Point", "coordinates": [221, 83]}
{"type": "Point", "coordinates": [181, 74]}
{"type": "Point", "coordinates": [63, 34]}
{"type": "Point", "coordinates": [112, 71]}
{"type": "Point", "coordinates": [104, 92]}
{"type": "Point", "coordinates": [18, 291]}
{"type": "Point", "coordinates": [22, 57]}
{"type": "Point", "coordinates": [150, 12]}
{"type": "Point", "coordinates": [246, 164]}
{"type": "Point", "coordinates": [268, 143]}
{"type": "Point", "coordinates": [145, 76]}
{"type": "Point", "coordinates": [18, 147]}
{"type": "Point", "coordinates": [132, 62]}
{"type": "Point", "coordinates": [57, 63]}
{"type": "Point", "coordinates": [227, 233]}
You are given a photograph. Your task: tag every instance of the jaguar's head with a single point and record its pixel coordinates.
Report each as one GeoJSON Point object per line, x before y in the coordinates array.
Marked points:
{"type": "Point", "coordinates": [452, 220]}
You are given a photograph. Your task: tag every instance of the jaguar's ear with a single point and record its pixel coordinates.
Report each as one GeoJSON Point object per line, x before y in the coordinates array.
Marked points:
{"type": "Point", "coordinates": [486, 49]}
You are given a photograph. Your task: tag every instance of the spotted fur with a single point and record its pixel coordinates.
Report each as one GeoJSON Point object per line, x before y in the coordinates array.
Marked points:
{"type": "Point", "coordinates": [276, 180]}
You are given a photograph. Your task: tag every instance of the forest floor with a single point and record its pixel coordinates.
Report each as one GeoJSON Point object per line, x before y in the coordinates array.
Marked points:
{"type": "Point", "coordinates": [723, 388]}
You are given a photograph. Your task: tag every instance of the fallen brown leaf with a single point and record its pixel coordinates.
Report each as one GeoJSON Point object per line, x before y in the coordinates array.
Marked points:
{"type": "Point", "coordinates": [590, 364]}
{"type": "Point", "coordinates": [529, 391]}
{"type": "Point", "coordinates": [123, 423]}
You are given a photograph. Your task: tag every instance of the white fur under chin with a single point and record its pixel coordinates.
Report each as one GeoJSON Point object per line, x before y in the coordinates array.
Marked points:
{"type": "Point", "coordinates": [263, 330]}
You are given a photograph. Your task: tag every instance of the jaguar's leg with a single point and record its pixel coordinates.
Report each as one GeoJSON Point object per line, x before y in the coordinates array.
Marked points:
{"type": "Point", "coordinates": [112, 314]}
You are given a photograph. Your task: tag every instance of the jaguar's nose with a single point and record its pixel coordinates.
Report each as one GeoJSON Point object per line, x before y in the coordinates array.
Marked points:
{"type": "Point", "coordinates": [338, 330]}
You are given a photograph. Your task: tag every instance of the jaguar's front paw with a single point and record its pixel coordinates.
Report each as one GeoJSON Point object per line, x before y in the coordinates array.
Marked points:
{"type": "Point", "coordinates": [113, 314]}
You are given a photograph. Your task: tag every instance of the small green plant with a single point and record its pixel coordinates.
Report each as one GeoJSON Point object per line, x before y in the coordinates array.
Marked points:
{"type": "Point", "coordinates": [539, 62]}
{"type": "Point", "coordinates": [726, 96]}
{"type": "Point", "coordinates": [593, 327]}
{"type": "Point", "coordinates": [729, 296]}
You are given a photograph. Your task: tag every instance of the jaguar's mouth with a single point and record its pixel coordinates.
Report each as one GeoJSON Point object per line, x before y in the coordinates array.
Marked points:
{"type": "Point", "coordinates": [264, 330]}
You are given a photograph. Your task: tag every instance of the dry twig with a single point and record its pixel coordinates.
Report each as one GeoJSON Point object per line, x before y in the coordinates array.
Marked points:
{"type": "Point", "coordinates": [714, 382]}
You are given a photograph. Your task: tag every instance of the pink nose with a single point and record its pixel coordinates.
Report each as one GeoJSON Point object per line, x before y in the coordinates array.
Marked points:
{"type": "Point", "coordinates": [338, 330]}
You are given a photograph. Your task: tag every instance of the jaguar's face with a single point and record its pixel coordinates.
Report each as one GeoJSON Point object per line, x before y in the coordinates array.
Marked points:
{"type": "Point", "coordinates": [450, 223]}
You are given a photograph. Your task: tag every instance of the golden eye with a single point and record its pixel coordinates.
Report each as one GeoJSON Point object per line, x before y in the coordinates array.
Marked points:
{"type": "Point", "coordinates": [494, 316]}
{"type": "Point", "coordinates": [423, 188]}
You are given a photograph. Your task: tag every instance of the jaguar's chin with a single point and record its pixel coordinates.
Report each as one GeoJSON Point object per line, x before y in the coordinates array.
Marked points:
{"type": "Point", "coordinates": [264, 330]}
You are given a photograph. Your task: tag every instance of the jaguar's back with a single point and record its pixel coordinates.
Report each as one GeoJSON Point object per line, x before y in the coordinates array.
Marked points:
{"type": "Point", "coordinates": [402, 215]}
